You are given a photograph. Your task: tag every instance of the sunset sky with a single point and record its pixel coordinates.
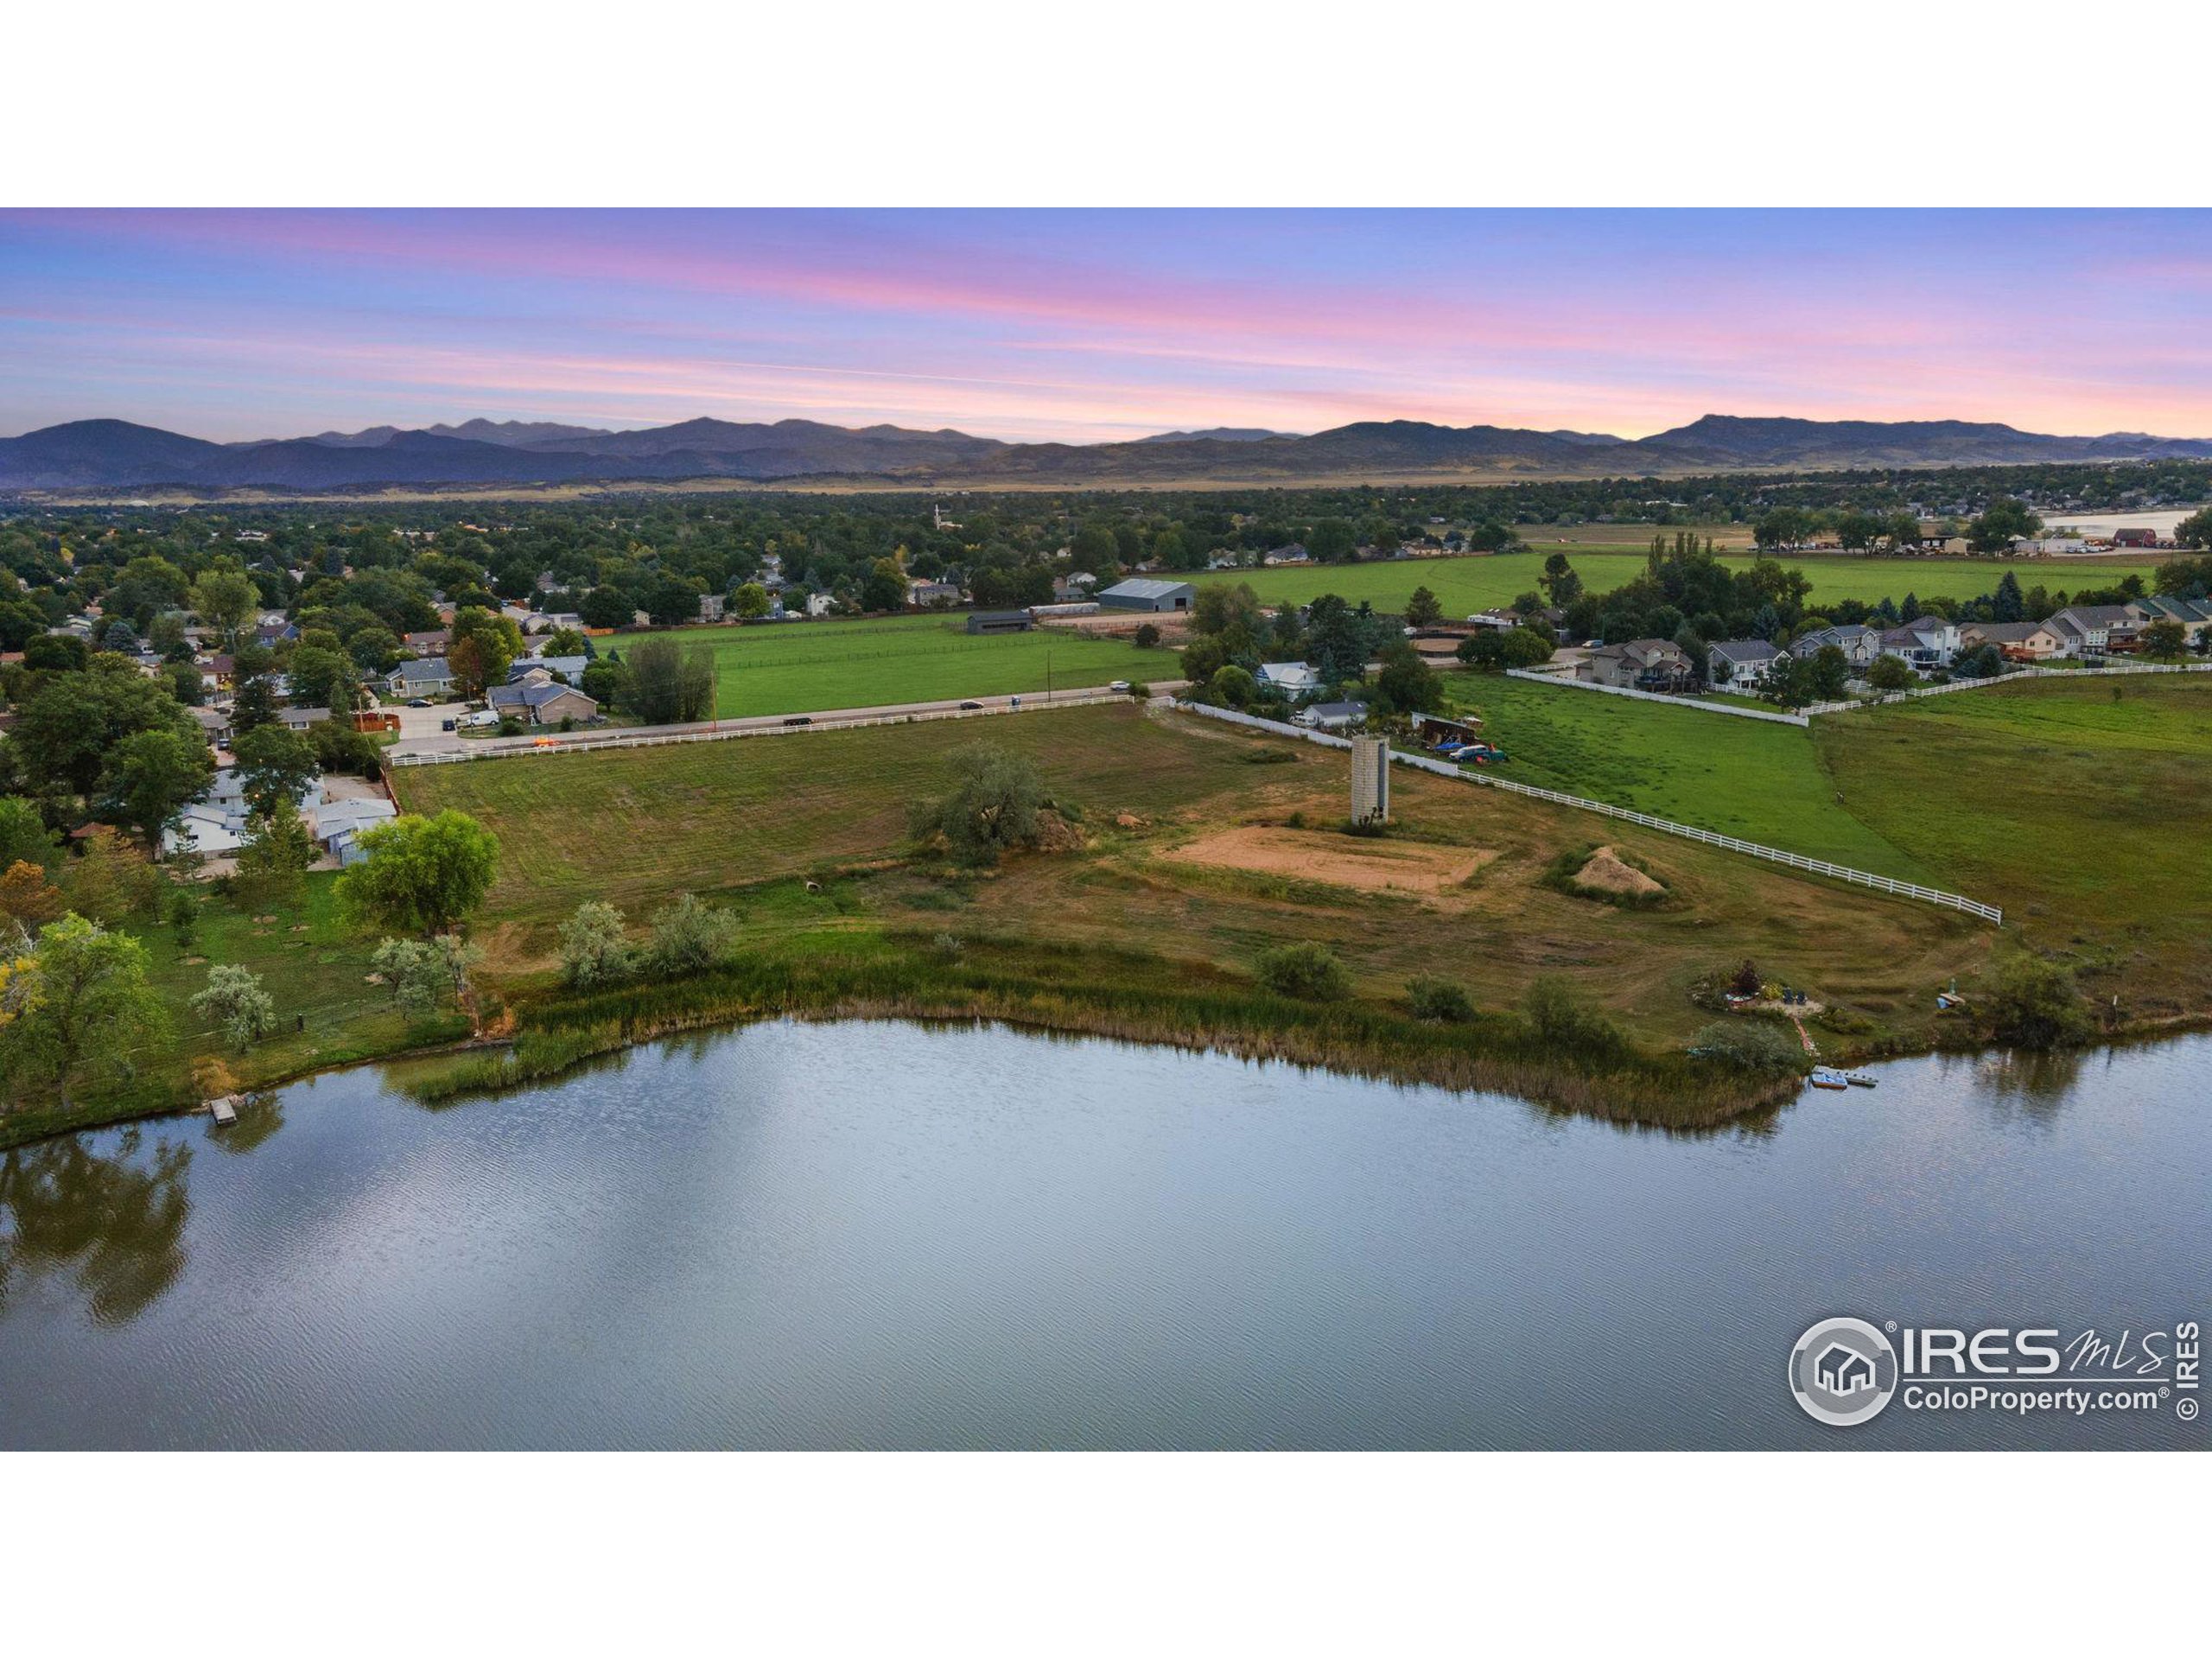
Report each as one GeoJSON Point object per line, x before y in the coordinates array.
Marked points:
{"type": "Point", "coordinates": [1093, 325]}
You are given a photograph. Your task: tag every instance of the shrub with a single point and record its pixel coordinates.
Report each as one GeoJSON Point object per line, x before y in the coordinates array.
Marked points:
{"type": "Point", "coordinates": [235, 1001]}
{"type": "Point", "coordinates": [1746, 981]}
{"type": "Point", "coordinates": [1147, 636]}
{"type": "Point", "coordinates": [1752, 1045]}
{"type": "Point", "coordinates": [688, 936]}
{"type": "Point", "coordinates": [992, 809]}
{"type": "Point", "coordinates": [1562, 1022]}
{"type": "Point", "coordinates": [1304, 969]}
{"type": "Point", "coordinates": [1443, 1001]}
{"type": "Point", "coordinates": [593, 947]}
{"type": "Point", "coordinates": [2033, 1003]}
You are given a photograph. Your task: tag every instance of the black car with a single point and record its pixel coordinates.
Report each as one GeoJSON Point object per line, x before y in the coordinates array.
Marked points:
{"type": "Point", "coordinates": [971, 705]}
{"type": "Point", "coordinates": [799, 720]}
{"type": "Point", "coordinates": [418, 703]}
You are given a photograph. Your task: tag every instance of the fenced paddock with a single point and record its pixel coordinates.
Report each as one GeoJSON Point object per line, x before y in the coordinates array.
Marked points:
{"type": "Point", "coordinates": [2018, 674]}
{"type": "Point", "coordinates": [1689, 832]}
{"type": "Point", "coordinates": [1776, 717]}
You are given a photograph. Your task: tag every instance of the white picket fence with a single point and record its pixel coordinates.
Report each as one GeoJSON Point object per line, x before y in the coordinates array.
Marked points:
{"type": "Point", "coordinates": [654, 738]}
{"type": "Point", "coordinates": [1688, 832]}
{"type": "Point", "coordinates": [1776, 716]}
{"type": "Point", "coordinates": [2030, 673]}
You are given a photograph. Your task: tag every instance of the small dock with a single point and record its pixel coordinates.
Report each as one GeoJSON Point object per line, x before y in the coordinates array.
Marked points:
{"type": "Point", "coordinates": [224, 1109]}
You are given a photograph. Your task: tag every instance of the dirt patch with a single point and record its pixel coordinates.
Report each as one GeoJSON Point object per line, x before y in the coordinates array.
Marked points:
{"type": "Point", "coordinates": [1607, 873]}
{"type": "Point", "coordinates": [1056, 835]}
{"type": "Point", "coordinates": [1314, 856]}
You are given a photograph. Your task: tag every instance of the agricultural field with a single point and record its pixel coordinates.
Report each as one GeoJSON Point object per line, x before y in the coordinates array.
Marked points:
{"type": "Point", "coordinates": [1480, 582]}
{"type": "Point", "coordinates": [1750, 778]}
{"type": "Point", "coordinates": [792, 667]}
{"type": "Point", "coordinates": [1164, 876]}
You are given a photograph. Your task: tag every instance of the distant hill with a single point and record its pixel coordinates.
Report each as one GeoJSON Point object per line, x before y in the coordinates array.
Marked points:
{"type": "Point", "coordinates": [102, 454]}
{"type": "Point", "coordinates": [1221, 434]}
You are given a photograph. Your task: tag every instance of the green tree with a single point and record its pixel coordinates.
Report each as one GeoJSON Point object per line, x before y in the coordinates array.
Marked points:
{"type": "Point", "coordinates": [235, 1001]}
{"type": "Point", "coordinates": [1332, 540]}
{"type": "Point", "coordinates": [661, 683]}
{"type": "Point", "coordinates": [2034, 1003]}
{"type": "Point", "coordinates": [1233, 685]}
{"type": "Point", "coordinates": [750, 600]}
{"type": "Point", "coordinates": [90, 1004]}
{"type": "Point", "coordinates": [322, 678]}
{"type": "Point", "coordinates": [2196, 530]}
{"type": "Point", "coordinates": [1891, 673]}
{"type": "Point", "coordinates": [2007, 605]}
{"type": "Point", "coordinates": [2165, 638]}
{"type": "Point", "coordinates": [1442, 1002]}
{"type": "Point", "coordinates": [152, 776]}
{"type": "Point", "coordinates": [1423, 610]}
{"type": "Point", "coordinates": [2003, 519]}
{"type": "Point", "coordinates": [992, 807]}
{"type": "Point", "coordinates": [226, 599]}
{"type": "Point", "coordinates": [688, 936]}
{"type": "Point", "coordinates": [274, 763]}
{"type": "Point", "coordinates": [1304, 970]}
{"type": "Point", "coordinates": [276, 856]}
{"type": "Point", "coordinates": [595, 948]}
{"type": "Point", "coordinates": [1561, 583]}
{"type": "Point", "coordinates": [1407, 683]}
{"type": "Point", "coordinates": [416, 973]}
{"type": "Point", "coordinates": [420, 875]}
{"type": "Point", "coordinates": [23, 834]}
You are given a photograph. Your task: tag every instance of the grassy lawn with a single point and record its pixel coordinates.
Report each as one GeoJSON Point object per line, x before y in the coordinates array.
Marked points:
{"type": "Point", "coordinates": [2085, 809]}
{"type": "Point", "coordinates": [747, 818]}
{"type": "Point", "coordinates": [1464, 585]}
{"type": "Point", "coordinates": [1749, 777]}
{"type": "Point", "coordinates": [792, 667]}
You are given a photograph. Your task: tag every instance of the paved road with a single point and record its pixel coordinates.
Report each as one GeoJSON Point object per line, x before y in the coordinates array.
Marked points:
{"type": "Point", "coordinates": [419, 732]}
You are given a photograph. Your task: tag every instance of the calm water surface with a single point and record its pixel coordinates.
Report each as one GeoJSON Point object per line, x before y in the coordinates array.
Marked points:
{"type": "Point", "coordinates": [876, 1235]}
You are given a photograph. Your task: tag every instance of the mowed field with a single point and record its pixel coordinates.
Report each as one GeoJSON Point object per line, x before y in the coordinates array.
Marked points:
{"type": "Point", "coordinates": [1750, 778]}
{"type": "Point", "coordinates": [1474, 584]}
{"type": "Point", "coordinates": [743, 820]}
{"type": "Point", "coordinates": [2083, 807]}
{"type": "Point", "coordinates": [793, 667]}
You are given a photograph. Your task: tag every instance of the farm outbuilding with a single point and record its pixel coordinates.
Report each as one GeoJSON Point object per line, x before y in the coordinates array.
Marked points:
{"type": "Point", "coordinates": [1145, 594]}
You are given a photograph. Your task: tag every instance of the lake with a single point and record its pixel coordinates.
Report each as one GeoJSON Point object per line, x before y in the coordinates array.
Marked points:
{"type": "Point", "coordinates": [879, 1235]}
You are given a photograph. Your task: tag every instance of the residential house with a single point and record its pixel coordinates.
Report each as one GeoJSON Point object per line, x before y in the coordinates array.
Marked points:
{"type": "Point", "coordinates": [710, 607]}
{"type": "Point", "coordinates": [1860, 645]}
{"type": "Point", "coordinates": [1076, 586]}
{"type": "Point", "coordinates": [1145, 594]}
{"type": "Point", "coordinates": [1294, 553]}
{"type": "Point", "coordinates": [2023, 642]}
{"type": "Point", "coordinates": [432, 642]}
{"type": "Point", "coordinates": [1742, 665]}
{"type": "Point", "coordinates": [216, 825]}
{"type": "Point", "coordinates": [422, 676]}
{"type": "Point", "coordinates": [2093, 631]}
{"type": "Point", "coordinates": [925, 594]}
{"type": "Point", "coordinates": [1638, 666]}
{"type": "Point", "coordinates": [214, 725]}
{"type": "Point", "coordinates": [1297, 679]}
{"type": "Point", "coordinates": [1924, 643]}
{"type": "Point", "coordinates": [541, 701]}
{"type": "Point", "coordinates": [1331, 716]}
{"type": "Point", "coordinates": [298, 720]}
{"type": "Point", "coordinates": [2195, 615]}
{"type": "Point", "coordinates": [570, 670]}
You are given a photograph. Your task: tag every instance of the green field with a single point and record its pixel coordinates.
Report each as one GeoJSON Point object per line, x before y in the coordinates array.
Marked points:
{"type": "Point", "coordinates": [1464, 585]}
{"type": "Point", "coordinates": [796, 667]}
{"type": "Point", "coordinates": [1748, 777]}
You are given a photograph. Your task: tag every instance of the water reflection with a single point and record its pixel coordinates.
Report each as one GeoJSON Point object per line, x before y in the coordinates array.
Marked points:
{"type": "Point", "coordinates": [113, 1223]}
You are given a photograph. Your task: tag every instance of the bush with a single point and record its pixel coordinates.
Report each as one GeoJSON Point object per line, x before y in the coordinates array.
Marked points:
{"type": "Point", "coordinates": [690, 936]}
{"type": "Point", "coordinates": [1147, 636]}
{"type": "Point", "coordinates": [992, 808]}
{"type": "Point", "coordinates": [1562, 1022]}
{"type": "Point", "coordinates": [1443, 1001]}
{"type": "Point", "coordinates": [593, 947]}
{"type": "Point", "coordinates": [2033, 1003]}
{"type": "Point", "coordinates": [1305, 969]}
{"type": "Point", "coordinates": [1752, 1045]}
{"type": "Point", "coordinates": [235, 1001]}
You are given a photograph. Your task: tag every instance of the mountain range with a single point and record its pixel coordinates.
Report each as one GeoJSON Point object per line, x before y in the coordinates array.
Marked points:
{"type": "Point", "coordinates": [99, 456]}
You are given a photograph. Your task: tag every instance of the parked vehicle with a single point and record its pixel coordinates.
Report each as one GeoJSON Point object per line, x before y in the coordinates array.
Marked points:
{"type": "Point", "coordinates": [1117, 685]}
{"type": "Point", "coordinates": [970, 707]}
{"type": "Point", "coordinates": [418, 703]}
{"type": "Point", "coordinates": [798, 720]}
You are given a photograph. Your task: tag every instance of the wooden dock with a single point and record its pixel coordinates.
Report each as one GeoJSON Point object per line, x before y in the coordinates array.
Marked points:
{"type": "Point", "coordinates": [224, 1109]}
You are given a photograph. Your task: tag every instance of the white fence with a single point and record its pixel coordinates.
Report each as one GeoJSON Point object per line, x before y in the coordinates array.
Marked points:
{"type": "Point", "coordinates": [2018, 674]}
{"type": "Point", "coordinates": [1730, 843]}
{"type": "Point", "coordinates": [657, 737]}
{"type": "Point", "coordinates": [1776, 715]}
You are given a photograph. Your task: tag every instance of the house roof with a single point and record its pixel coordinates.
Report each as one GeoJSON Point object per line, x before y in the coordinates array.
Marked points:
{"type": "Point", "coordinates": [1745, 650]}
{"type": "Point", "coordinates": [533, 694]}
{"type": "Point", "coordinates": [2010, 634]}
{"type": "Point", "coordinates": [1145, 587]}
{"type": "Point", "coordinates": [1338, 710]}
{"type": "Point", "coordinates": [424, 670]}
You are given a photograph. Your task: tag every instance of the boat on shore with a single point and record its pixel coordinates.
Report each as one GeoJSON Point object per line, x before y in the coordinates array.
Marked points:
{"type": "Point", "coordinates": [1826, 1076]}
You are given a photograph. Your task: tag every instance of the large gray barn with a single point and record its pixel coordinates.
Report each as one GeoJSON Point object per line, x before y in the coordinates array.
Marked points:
{"type": "Point", "coordinates": [1144, 594]}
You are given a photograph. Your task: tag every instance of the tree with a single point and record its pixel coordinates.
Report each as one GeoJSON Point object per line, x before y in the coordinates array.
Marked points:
{"type": "Point", "coordinates": [416, 973]}
{"type": "Point", "coordinates": [2006, 605]}
{"type": "Point", "coordinates": [2196, 530]}
{"type": "Point", "coordinates": [235, 1001]}
{"type": "Point", "coordinates": [2033, 1003]}
{"type": "Point", "coordinates": [322, 678]}
{"type": "Point", "coordinates": [485, 645]}
{"type": "Point", "coordinates": [1423, 610]}
{"type": "Point", "coordinates": [1407, 683]}
{"type": "Point", "coordinates": [992, 807]}
{"type": "Point", "coordinates": [884, 587]}
{"type": "Point", "coordinates": [88, 1006]}
{"type": "Point", "coordinates": [1330, 540]}
{"type": "Point", "coordinates": [661, 683]}
{"type": "Point", "coordinates": [71, 726]}
{"type": "Point", "coordinates": [1889, 673]}
{"type": "Point", "coordinates": [2165, 638]}
{"type": "Point", "coordinates": [23, 834]}
{"type": "Point", "coordinates": [593, 946]}
{"type": "Point", "coordinates": [1993, 531]}
{"type": "Point", "coordinates": [28, 899]}
{"type": "Point", "coordinates": [152, 776]}
{"type": "Point", "coordinates": [750, 600]}
{"type": "Point", "coordinates": [225, 600]}
{"type": "Point", "coordinates": [340, 750]}
{"type": "Point", "coordinates": [1751, 1046]}
{"type": "Point", "coordinates": [688, 936]}
{"type": "Point", "coordinates": [1560, 581]}
{"type": "Point", "coordinates": [1233, 685]}
{"type": "Point", "coordinates": [1443, 1001]}
{"type": "Point", "coordinates": [1146, 636]}
{"type": "Point", "coordinates": [1830, 673]}
{"type": "Point", "coordinates": [274, 763]}
{"type": "Point", "coordinates": [110, 879]}
{"type": "Point", "coordinates": [420, 875]}
{"type": "Point", "coordinates": [277, 854]}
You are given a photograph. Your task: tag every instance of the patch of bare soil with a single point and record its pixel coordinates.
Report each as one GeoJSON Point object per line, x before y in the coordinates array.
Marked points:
{"type": "Point", "coordinates": [1056, 835]}
{"type": "Point", "coordinates": [1309, 856]}
{"type": "Point", "coordinates": [1608, 872]}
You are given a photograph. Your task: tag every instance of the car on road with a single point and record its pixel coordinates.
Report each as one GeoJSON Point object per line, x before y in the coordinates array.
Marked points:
{"type": "Point", "coordinates": [1118, 685]}
{"type": "Point", "coordinates": [968, 707]}
{"type": "Point", "coordinates": [799, 720]}
{"type": "Point", "coordinates": [418, 703]}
